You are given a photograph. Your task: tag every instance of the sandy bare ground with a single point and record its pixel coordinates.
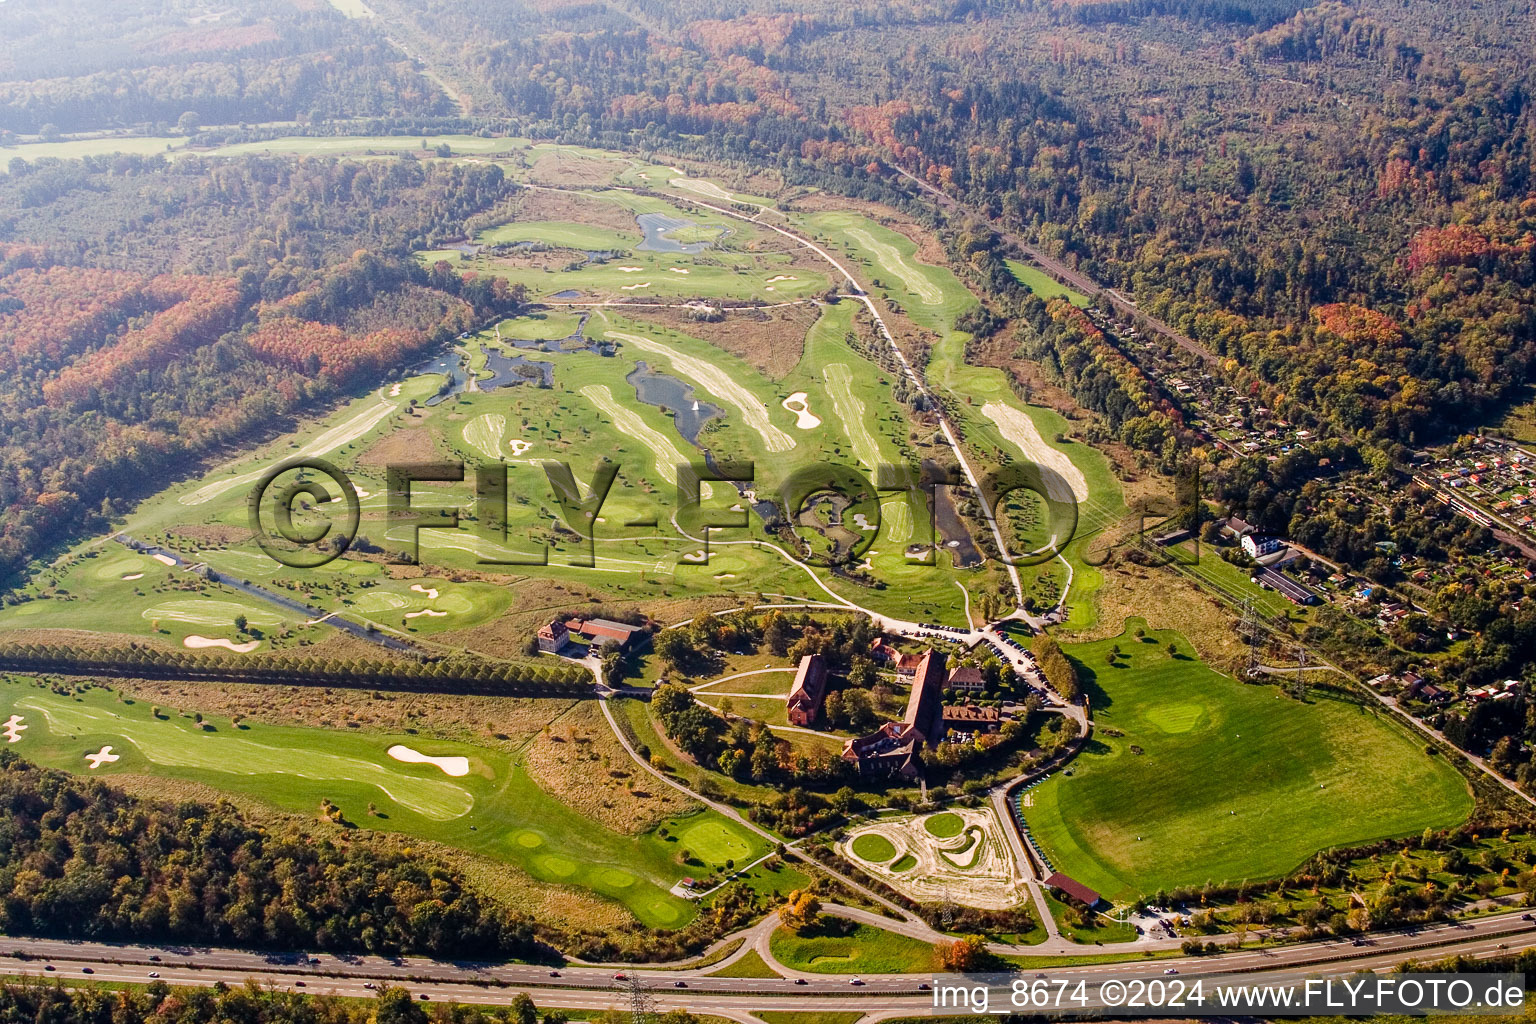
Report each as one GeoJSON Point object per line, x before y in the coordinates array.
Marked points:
{"type": "Point", "coordinates": [974, 869]}
{"type": "Point", "coordinates": [341, 434]}
{"type": "Point", "coordinates": [851, 411]}
{"type": "Point", "coordinates": [196, 643]}
{"type": "Point", "coordinates": [455, 766]}
{"type": "Point", "coordinates": [719, 383]}
{"type": "Point", "coordinates": [799, 403]}
{"type": "Point", "coordinates": [891, 258]}
{"type": "Point", "coordinates": [483, 433]}
{"type": "Point", "coordinates": [668, 456]}
{"type": "Point", "coordinates": [703, 188]}
{"type": "Point", "coordinates": [1019, 430]}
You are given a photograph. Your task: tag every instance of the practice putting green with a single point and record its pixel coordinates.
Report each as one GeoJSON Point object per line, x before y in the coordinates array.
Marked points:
{"type": "Point", "coordinates": [945, 825]}
{"type": "Point", "coordinates": [1220, 781]}
{"type": "Point", "coordinates": [874, 848]}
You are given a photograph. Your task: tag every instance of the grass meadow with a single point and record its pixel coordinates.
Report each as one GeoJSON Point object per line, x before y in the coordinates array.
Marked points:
{"type": "Point", "coordinates": [1218, 781]}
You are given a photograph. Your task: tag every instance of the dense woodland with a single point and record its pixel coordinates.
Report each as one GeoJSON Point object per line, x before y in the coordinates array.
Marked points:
{"type": "Point", "coordinates": [83, 65]}
{"type": "Point", "coordinates": [151, 312]}
{"type": "Point", "coordinates": [80, 859]}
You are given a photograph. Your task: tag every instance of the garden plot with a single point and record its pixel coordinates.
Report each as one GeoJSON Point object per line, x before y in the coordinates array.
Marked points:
{"type": "Point", "coordinates": [960, 855]}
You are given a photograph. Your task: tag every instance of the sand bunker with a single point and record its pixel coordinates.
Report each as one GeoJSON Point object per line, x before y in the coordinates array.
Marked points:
{"type": "Point", "coordinates": [677, 270]}
{"type": "Point", "coordinates": [101, 757]}
{"type": "Point", "coordinates": [629, 270]}
{"type": "Point", "coordinates": [13, 729]}
{"type": "Point", "coordinates": [799, 404]}
{"type": "Point", "coordinates": [134, 576]}
{"type": "Point", "coordinates": [519, 446]}
{"type": "Point", "coordinates": [394, 389]}
{"type": "Point", "coordinates": [632, 287]}
{"type": "Point", "coordinates": [362, 493]}
{"type": "Point", "coordinates": [429, 612]}
{"type": "Point", "coordinates": [197, 643]}
{"type": "Point", "coordinates": [164, 559]}
{"type": "Point", "coordinates": [431, 592]}
{"type": "Point", "coordinates": [782, 277]}
{"type": "Point", "coordinates": [455, 766]}
{"type": "Point", "coordinates": [1065, 482]}
{"type": "Point", "coordinates": [862, 522]}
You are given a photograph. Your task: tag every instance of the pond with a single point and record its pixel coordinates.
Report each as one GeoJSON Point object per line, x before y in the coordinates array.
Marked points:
{"type": "Point", "coordinates": [507, 371]}
{"type": "Point", "coordinates": [657, 225]}
{"type": "Point", "coordinates": [672, 395]}
{"type": "Point", "coordinates": [455, 378]}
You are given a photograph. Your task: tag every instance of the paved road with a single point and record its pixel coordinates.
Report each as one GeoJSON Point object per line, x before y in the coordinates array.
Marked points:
{"type": "Point", "coordinates": [737, 998]}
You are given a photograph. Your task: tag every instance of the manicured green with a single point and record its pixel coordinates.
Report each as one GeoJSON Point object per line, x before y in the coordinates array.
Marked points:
{"type": "Point", "coordinates": [874, 848]}
{"type": "Point", "coordinates": [1232, 781]}
{"type": "Point", "coordinates": [943, 825]}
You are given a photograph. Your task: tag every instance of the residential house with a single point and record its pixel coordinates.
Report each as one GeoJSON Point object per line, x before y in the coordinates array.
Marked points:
{"type": "Point", "coordinates": [553, 636]}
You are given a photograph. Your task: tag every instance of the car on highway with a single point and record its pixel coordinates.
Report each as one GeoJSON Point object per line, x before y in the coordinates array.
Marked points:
{"type": "Point", "coordinates": [298, 984]}
{"type": "Point", "coordinates": [1172, 970]}
{"type": "Point", "coordinates": [923, 986]}
{"type": "Point", "coordinates": [154, 974]}
{"type": "Point", "coordinates": [154, 958]}
{"type": "Point", "coordinates": [679, 984]}
{"type": "Point", "coordinates": [554, 974]}
{"type": "Point", "coordinates": [621, 976]}
{"type": "Point", "coordinates": [87, 970]}
{"type": "Point", "coordinates": [49, 967]}
{"type": "Point", "coordinates": [368, 984]}
{"type": "Point", "coordinates": [423, 997]}
{"type": "Point", "coordinates": [855, 980]}
{"type": "Point", "coordinates": [800, 981]}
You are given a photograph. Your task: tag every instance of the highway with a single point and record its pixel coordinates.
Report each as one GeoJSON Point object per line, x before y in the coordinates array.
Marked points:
{"type": "Point", "coordinates": [581, 987]}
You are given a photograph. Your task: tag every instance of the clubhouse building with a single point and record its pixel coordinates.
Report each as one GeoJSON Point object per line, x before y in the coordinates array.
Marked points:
{"type": "Point", "coordinates": [896, 747]}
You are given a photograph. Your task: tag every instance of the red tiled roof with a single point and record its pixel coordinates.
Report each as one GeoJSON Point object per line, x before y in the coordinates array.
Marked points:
{"type": "Point", "coordinates": [1072, 887]}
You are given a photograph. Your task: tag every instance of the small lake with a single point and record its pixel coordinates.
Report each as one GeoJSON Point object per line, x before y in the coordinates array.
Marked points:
{"type": "Point", "coordinates": [451, 367]}
{"type": "Point", "coordinates": [508, 371]}
{"type": "Point", "coordinates": [672, 395]}
{"type": "Point", "coordinates": [656, 226]}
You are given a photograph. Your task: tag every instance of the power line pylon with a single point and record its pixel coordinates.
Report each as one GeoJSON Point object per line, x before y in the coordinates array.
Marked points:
{"type": "Point", "coordinates": [641, 1008]}
{"type": "Point", "coordinates": [1250, 630]}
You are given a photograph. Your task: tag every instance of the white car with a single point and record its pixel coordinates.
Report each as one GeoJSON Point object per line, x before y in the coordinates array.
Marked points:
{"type": "Point", "coordinates": [1172, 970]}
